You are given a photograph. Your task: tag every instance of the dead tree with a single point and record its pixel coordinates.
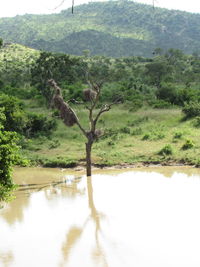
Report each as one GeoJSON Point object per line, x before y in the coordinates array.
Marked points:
{"type": "Point", "coordinates": [70, 118]}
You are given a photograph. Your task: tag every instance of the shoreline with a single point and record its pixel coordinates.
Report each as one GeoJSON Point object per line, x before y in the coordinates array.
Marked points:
{"type": "Point", "coordinates": [81, 167]}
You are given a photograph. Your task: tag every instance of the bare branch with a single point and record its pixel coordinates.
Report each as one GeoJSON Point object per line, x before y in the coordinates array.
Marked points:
{"type": "Point", "coordinates": [105, 108]}
{"type": "Point", "coordinates": [62, 2]}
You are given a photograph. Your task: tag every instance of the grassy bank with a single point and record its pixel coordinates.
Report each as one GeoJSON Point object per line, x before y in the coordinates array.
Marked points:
{"type": "Point", "coordinates": [148, 135]}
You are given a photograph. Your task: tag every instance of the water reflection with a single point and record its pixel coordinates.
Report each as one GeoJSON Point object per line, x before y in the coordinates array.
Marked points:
{"type": "Point", "coordinates": [136, 218]}
{"type": "Point", "coordinates": [75, 233]}
{"type": "Point", "coordinates": [6, 259]}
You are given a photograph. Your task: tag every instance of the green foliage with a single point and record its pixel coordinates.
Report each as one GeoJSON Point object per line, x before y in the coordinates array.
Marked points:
{"type": "Point", "coordinates": [6, 193]}
{"type": "Point", "coordinates": [8, 156]}
{"type": "Point", "coordinates": [60, 67]}
{"type": "Point", "coordinates": [14, 112]}
{"type": "Point", "coordinates": [178, 135]}
{"type": "Point", "coordinates": [157, 72]}
{"type": "Point", "coordinates": [166, 151]}
{"type": "Point", "coordinates": [39, 124]}
{"type": "Point", "coordinates": [125, 130]}
{"type": "Point", "coordinates": [191, 109]}
{"type": "Point", "coordinates": [197, 122]}
{"type": "Point", "coordinates": [60, 162]}
{"type": "Point", "coordinates": [153, 135]}
{"type": "Point", "coordinates": [188, 144]}
{"type": "Point", "coordinates": [160, 104]}
{"type": "Point", "coordinates": [73, 91]}
{"type": "Point", "coordinates": [18, 120]}
{"type": "Point", "coordinates": [54, 144]}
{"type": "Point", "coordinates": [146, 136]}
{"type": "Point", "coordinates": [112, 28]}
{"type": "Point", "coordinates": [15, 64]}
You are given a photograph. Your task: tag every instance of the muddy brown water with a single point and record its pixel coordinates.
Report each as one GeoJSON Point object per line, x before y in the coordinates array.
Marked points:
{"type": "Point", "coordinates": [145, 217]}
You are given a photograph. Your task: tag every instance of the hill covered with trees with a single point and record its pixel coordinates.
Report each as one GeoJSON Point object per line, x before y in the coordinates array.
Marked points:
{"type": "Point", "coordinates": [113, 28]}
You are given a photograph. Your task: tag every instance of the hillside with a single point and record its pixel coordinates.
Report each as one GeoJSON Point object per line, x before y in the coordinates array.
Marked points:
{"type": "Point", "coordinates": [15, 63]}
{"type": "Point", "coordinates": [106, 28]}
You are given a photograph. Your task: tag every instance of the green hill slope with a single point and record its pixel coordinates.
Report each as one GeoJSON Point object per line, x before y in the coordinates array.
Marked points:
{"type": "Point", "coordinates": [106, 28]}
{"type": "Point", "coordinates": [15, 63]}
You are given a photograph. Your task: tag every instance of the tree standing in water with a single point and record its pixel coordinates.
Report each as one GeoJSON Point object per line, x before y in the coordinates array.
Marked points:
{"type": "Point", "coordinates": [70, 118]}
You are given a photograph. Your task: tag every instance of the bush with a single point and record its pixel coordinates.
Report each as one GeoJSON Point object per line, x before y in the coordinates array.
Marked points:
{"type": "Point", "coordinates": [38, 124]}
{"type": "Point", "coordinates": [137, 131]}
{"type": "Point", "coordinates": [197, 122]}
{"type": "Point", "coordinates": [166, 150]}
{"type": "Point", "coordinates": [8, 156]}
{"type": "Point", "coordinates": [154, 135]}
{"type": "Point", "coordinates": [14, 113]}
{"type": "Point", "coordinates": [191, 109]}
{"type": "Point", "coordinates": [125, 130]}
{"type": "Point", "coordinates": [178, 135]}
{"type": "Point", "coordinates": [54, 144]}
{"type": "Point", "coordinates": [188, 144]}
{"type": "Point", "coordinates": [160, 104]}
{"type": "Point", "coordinates": [146, 136]}
{"type": "Point", "coordinates": [60, 162]}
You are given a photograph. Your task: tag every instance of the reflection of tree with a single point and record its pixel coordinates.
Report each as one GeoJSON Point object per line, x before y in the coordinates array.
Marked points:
{"type": "Point", "coordinates": [15, 210]}
{"type": "Point", "coordinates": [6, 258]}
{"type": "Point", "coordinates": [75, 233]}
{"type": "Point", "coordinates": [95, 216]}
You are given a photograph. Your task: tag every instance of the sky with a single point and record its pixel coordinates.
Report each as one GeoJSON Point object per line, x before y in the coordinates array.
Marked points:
{"type": "Point", "coordinates": [10, 8]}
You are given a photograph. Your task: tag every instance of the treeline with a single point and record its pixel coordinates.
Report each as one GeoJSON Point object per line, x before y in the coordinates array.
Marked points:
{"type": "Point", "coordinates": [168, 78]}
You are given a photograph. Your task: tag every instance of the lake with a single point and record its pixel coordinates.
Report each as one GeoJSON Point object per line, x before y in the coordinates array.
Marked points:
{"type": "Point", "coordinates": [143, 217]}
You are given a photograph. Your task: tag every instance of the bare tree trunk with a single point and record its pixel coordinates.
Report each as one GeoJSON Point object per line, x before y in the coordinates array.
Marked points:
{"type": "Point", "coordinates": [88, 157]}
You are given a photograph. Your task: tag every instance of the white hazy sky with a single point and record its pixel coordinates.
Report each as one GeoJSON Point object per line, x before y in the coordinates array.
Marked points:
{"type": "Point", "coordinates": [11, 8]}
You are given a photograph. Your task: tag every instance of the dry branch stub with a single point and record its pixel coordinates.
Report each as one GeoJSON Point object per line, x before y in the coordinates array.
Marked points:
{"type": "Point", "coordinates": [66, 113]}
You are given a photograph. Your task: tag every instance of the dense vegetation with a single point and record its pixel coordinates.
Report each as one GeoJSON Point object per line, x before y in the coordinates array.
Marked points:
{"type": "Point", "coordinates": [158, 118]}
{"type": "Point", "coordinates": [113, 28]}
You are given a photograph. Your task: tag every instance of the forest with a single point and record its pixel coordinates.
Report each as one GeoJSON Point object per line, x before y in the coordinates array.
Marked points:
{"type": "Point", "coordinates": [112, 28]}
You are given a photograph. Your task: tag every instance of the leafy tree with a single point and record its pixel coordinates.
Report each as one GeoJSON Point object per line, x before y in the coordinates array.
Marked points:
{"type": "Point", "coordinates": [8, 157]}
{"type": "Point", "coordinates": [157, 71]}
{"type": "Point", "coordinates": [54, 66]}
{"type": "Point", "coordinates": [14, 113]}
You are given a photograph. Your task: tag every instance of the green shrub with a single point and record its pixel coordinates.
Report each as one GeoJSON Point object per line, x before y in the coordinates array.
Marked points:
{"type": "Point", "coordinates": [13, 110]}
{"type": "Point", "coordinates": [146, 136]}
{"type": "Point", "coordinates": [108, 132]}
{"type": "Point", "coordinates": [160, 104]}
{"type": "Point", "coordinates": [157, 135]}
{"type": "Point", "coordinates": [178, 135]}
{"type": "Point", "coordinates": [60, 162]}
{"type": "Point", "coordinates": [197, 122]}
{"type": "Point", "coordinates": [54, 144]}
{"type": "Point", "coordinates": [125, 130]}
{"type": "Point", "coordinates": [191, 109]}
{"type": "Point", "coordinates": [188, 144]}
{"type": "Point", "coordinates": [110, 143]}
{"type": "Point", "coordinates": [38, 124]}
{"type": "Point", "coordinates": [166, 151]}
{"type": "Point", "coordinates": [137, 131]}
